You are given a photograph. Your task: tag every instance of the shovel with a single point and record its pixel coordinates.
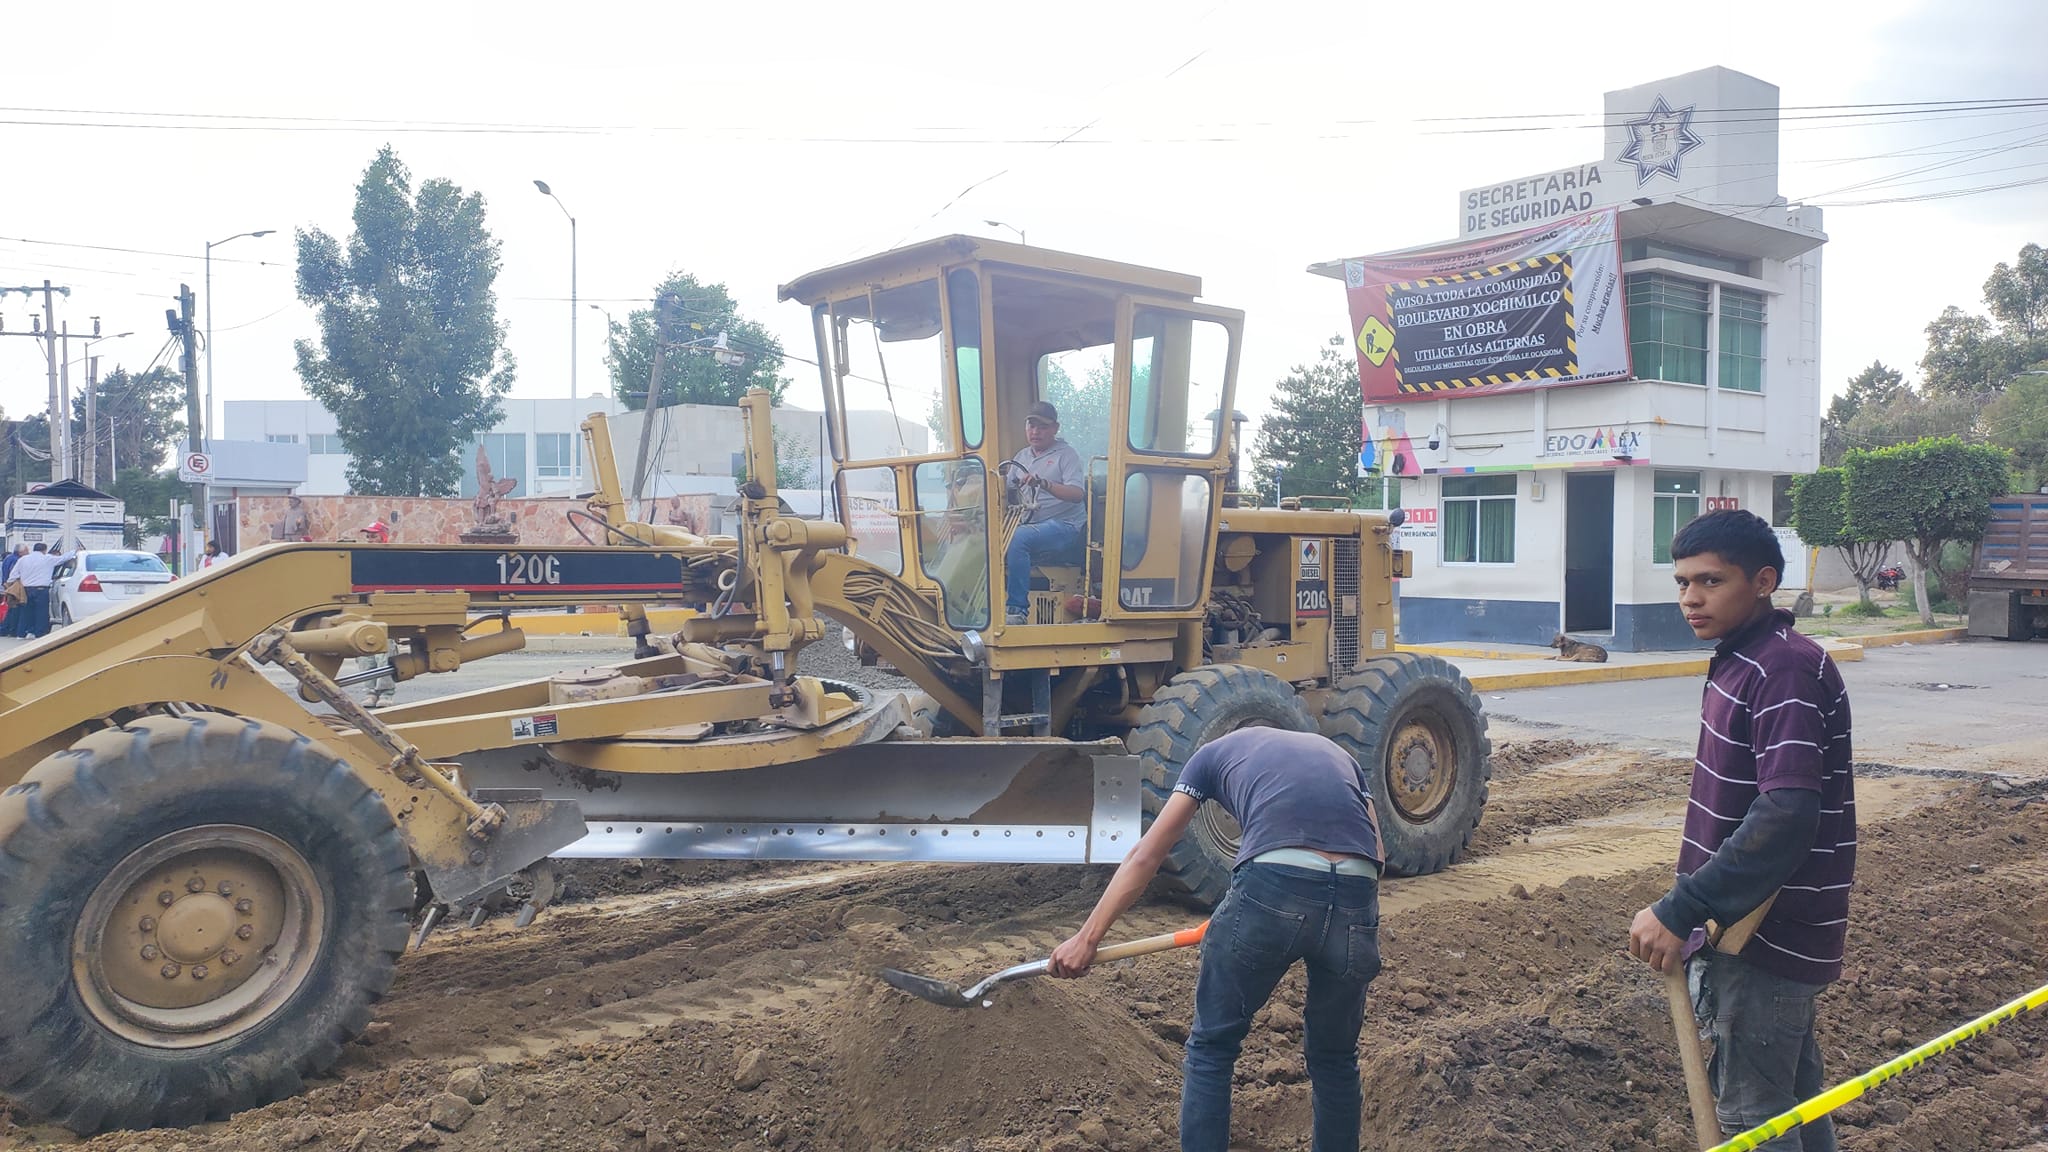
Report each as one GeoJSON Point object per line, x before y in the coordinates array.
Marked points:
{"type": "Point", "coordinates": [951, 995]}
{"type": "Point", "coordinates": [1698, 1091]}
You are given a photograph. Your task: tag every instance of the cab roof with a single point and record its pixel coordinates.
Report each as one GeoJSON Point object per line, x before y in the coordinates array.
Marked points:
{"type": "Point", "coordinates": [840, 279]}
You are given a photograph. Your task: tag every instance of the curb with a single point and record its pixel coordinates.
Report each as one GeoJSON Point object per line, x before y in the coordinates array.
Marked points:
{"type": "Point", "coordinates": [1459, 652]}
{"type": "Point", "coordinates": [1588, 674]}
{"type": "Point", "coordinates": [1918, 636]}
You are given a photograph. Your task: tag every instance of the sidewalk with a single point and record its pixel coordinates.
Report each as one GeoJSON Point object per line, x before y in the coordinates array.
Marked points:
{"type": "Point", "coordinates": [1498, 667]}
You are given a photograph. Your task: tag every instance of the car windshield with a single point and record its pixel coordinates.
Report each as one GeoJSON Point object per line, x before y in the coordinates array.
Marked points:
{"type": "Point", "coordinates": [124, 562]}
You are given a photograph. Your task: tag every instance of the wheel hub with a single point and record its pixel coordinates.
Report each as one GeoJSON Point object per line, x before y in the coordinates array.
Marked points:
{"type": "Point", "coordinates": [1421, 769]}
{"type": "Point", "coordinates": [196, 928]}
{"type": "Point", "coordinates": [198, 935]}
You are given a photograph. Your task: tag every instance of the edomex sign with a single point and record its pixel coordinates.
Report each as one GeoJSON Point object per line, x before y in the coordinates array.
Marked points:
{"type": "Point", "coordinates": [1527, 309]}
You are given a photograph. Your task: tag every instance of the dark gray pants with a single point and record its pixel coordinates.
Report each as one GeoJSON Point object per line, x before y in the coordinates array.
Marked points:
{"type": "Point", "coordinates": [1765, 1057]}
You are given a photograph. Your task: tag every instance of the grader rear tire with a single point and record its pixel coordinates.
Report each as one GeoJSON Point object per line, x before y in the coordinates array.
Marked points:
{"type": "Point", "coordinates": [1194, 708]}
{"type": "Point", "coordinates": [195, 912]}
{"type": "Point", "coordinates": [1418, 733]}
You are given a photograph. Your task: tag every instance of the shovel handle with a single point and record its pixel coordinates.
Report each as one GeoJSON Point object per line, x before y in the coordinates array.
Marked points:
{"type": "Point", "coordinates": [1150, 944]}
{"type": "Point", "coordinates": [1699, 1092]}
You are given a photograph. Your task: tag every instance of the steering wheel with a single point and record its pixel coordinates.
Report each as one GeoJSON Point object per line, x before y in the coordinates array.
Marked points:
{"type": "Point", "coordinates": [1021, 491]}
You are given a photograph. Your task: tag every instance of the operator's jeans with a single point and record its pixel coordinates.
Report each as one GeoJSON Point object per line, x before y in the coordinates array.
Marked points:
{"type": "Point", "coordinates": [1765, 1057]}
{"type": "Point", "coordinates": [1274, 915]}
{"type": "Point", "coordinates": [1052, 542]}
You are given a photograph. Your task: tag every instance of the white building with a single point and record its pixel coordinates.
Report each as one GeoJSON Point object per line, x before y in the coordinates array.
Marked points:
{"type": "Point", "coordinates": [1552, 509]}
{"type": "Point", "coordinates": [539, 443]}
{"type": "Point", "coordinates": [706, 440]}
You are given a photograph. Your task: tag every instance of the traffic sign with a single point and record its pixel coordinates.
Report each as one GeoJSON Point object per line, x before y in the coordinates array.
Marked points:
{"type": "Point", "coordinates": [195, 468]}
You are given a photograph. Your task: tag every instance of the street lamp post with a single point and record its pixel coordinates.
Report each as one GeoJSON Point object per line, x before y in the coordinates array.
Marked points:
{"type": "Point", "coordinates": [1011, 227]}
{"type": "Point", "coordinates": [210, 246]}
{"type": "Point", "coordinates": [549, 193]}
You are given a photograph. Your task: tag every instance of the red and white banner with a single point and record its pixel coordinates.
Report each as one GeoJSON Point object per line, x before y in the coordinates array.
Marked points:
{"type": "Point", "coordinates": [1531, 309]}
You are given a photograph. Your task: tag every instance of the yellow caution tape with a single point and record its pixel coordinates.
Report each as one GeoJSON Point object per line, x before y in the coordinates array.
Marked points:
{"type": "Point", "coordinates": [1835, 1097]}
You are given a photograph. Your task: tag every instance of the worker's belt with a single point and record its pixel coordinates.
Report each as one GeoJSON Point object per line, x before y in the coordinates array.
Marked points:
{"type": "Point", "coordinates": [1317, 862]}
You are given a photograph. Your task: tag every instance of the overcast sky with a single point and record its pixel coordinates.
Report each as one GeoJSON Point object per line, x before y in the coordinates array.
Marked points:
{"type": "Point", "coordinates": [750, 143]}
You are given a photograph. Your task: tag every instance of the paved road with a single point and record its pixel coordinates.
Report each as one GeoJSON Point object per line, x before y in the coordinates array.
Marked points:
{"type": "Point", "coordinates": [1992, 715]}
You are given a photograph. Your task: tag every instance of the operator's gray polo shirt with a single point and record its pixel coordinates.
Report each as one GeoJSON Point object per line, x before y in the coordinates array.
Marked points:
{"type": "Point", "coordinates": [1061, 464]}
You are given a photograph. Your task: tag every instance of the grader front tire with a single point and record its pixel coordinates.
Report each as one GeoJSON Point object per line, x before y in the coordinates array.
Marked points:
{"type": "Point", "coordinates": [1194, 708]}
{"type": "Point", "coordinates": [1417, 730]}
{"type": "Point", "coordinates": [195, 913]}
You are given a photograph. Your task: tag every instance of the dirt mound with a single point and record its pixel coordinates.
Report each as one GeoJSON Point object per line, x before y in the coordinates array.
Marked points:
{"type": "Point", "coordinates": [742, 1012]}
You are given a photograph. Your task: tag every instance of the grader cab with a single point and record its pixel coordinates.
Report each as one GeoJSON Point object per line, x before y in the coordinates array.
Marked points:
{"type": "Point", "coordinates": [211, 855]}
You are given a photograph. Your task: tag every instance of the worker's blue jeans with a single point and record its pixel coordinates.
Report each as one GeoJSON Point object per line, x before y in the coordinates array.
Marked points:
{"type": "Point", "coordinates": [1053, 542]}
{"type": "Point", "coordinates": [1273, 916]}
{"type": "Point", "coordinates": [1766, 1059]}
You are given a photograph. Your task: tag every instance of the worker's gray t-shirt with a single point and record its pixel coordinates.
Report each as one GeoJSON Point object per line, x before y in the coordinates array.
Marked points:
{"type": "Point", "coordinates": [1061, 464]}
{"type": "Point", "coordinates": [1287, 790]}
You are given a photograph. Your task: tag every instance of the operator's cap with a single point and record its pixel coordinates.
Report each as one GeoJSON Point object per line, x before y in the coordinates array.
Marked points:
{"type": "Point", "coordinates": [1043, 413]}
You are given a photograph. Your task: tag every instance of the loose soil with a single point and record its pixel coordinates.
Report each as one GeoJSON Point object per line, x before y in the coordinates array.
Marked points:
{"type": "Point", "coordinates": [692, 1008]}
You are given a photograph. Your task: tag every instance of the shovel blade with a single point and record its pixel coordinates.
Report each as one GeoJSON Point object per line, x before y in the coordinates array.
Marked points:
{"type": "Point", "coordinates": [942, 992]}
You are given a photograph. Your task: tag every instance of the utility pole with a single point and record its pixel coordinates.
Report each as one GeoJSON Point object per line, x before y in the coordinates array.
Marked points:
{"type": "Point", "coordinates": [665, 310]}
{"type": "Point", "coordinates": [195, 425]}
{"type": "Point", "coordinates": [50, 350]}
{"type": "Point", "coordinates": [92, 426]}
{"type": "Point", "coordinates": [60, 424]}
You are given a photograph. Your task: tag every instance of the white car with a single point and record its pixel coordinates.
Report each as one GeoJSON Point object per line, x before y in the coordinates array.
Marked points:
{"type": "Point", "coordinates": [92, 582]}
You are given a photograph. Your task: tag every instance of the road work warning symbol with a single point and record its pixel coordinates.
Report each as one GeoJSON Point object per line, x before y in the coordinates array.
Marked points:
{"type": "Point", "coordinates": [1376, 340]}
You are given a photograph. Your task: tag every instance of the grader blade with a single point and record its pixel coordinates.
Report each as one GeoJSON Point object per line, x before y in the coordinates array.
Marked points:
{"type": "Point", "coordinates": [995, 801]}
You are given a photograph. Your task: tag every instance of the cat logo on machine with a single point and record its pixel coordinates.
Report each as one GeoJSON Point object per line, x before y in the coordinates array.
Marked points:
{"type": "Point", "coordinates": [1311, 560]}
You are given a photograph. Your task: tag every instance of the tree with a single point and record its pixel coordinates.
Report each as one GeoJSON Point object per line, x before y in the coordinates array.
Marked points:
{"type": "Point", "coordinates": [1877, 385]}
{"type": "Point", "coordinates": [2017, 295]}
{"type": "Point", "coordinates": [693, 375]}
{"type": "Point", "coordinates": [2018, 421]}
{"type": "Point", "coordinates": [1911, 416]}
{"type": "Point", "coordinates": [146, 496]}
{"type": "Point", "coordinates": [1314, 427]}
{"type": "Point", "coordinates": [1820, 518]}
{"type": "Point", "coordinates": [1924, 494]}
{"type": "Point", "coordinates": [1974, 355]}
{"type": "Point", "coordinates": [141, 415]}
{"type": "Point", "coordinates": [411, 359]}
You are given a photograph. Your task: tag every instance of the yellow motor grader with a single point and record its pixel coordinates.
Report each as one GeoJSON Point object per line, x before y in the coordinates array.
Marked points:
{"type": "Point", "coordinates": [212, 856]}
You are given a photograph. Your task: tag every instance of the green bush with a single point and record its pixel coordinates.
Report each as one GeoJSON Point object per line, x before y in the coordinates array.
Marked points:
{"type": "Point", "coordinates": [1857, 609]}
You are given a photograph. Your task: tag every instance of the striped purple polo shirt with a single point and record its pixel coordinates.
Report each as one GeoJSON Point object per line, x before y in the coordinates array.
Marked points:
{"type": "Point", "coordinates": [1775, 714]}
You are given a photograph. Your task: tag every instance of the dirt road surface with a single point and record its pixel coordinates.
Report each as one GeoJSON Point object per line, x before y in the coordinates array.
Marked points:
{"type": "Point", "coordinates": [675, 1007]}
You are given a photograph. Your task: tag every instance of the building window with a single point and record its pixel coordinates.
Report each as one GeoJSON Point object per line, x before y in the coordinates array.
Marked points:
{"type": "Point", "coordinates": [507, 453]}
{"type": "Point", "coordinates": [281, 438]}
{"type": "Point", "coordinates": [1742, 340]}
{"type": "Point", "coordinates": [1667, 328]}
{"type": "Point", "coordinates": [557, 455]}
{"type": "Point", "coordinates": [1647, 249]}
{"type": "Point", "coordinates": [1479, 519]}
{"type": "Point", "coordinates": [1676, 502]}
{"type": "Point", "coordinates": [324, 444]}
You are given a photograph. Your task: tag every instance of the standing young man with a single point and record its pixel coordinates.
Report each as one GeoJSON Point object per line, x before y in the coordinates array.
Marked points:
{"type": "Point", "coordinates": [1773, 812]}
{"type": "Point", "coordinates": [1305, 887]}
